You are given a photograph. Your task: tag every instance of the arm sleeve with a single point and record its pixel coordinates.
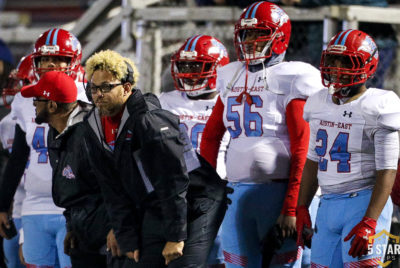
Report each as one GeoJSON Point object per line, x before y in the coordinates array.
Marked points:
{"type": "Point", "coordinates": [213, 134]}
{"type": "Point", "coordinates": [386, 148]}
{"type": "Point", "coordinates": [14, 169]}
{"type": "Point", "coordinates": [122, 213]}
{"type": "Point", "coordinates": [299, 133]}
{"type": "Point", "coordinates": [166, 171]}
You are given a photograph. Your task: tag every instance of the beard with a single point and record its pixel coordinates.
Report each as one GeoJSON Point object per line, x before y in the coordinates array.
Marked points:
{"type": "Point", "coordinates": [42, 117]}
{"type": "Point", "coordinates": [110, 106]}
{"type": "Point", "coordinates": [110, 110]}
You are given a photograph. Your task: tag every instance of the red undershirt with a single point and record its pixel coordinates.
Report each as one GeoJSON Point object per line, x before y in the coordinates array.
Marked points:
{"type": "Point", "coordinates": [110, 125]}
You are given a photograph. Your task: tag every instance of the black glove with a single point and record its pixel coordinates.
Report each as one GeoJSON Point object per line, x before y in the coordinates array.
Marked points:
{"type": "Point", "coordinates": [228, 190]}
{"type": "Point", "coordinates": [272, 242]}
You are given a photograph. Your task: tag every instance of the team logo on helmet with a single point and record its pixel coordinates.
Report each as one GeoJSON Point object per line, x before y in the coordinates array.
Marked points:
{"type": "Point", "coordinates": [278, 15]}
{"type": "Point", "coordinates": [217, 48]}
{"type": "Point", "coordinates": [369, 46]}
{"type": "Point", "coordinates": [76, 45]}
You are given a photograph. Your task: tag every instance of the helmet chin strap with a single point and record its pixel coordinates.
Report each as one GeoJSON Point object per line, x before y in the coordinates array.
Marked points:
{"type": "Point", "coordinates": [331, 90]}
{"type": "Point", "coordinates": [196, 93]}
{"type": "Point", "coordinates": [192, 92]}
{"type": "Point", "coordinates": [268, 62]}
{"type": "Point", "coordinates": [345, 92]}
{"type": "Point", "coordinates": [259, 55]}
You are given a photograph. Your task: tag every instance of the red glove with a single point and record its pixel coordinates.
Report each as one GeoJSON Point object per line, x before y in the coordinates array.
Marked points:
{"type": "Point", "coordinates": [362, 231]}
{"type": "Point", "coordinates": [303, 220]}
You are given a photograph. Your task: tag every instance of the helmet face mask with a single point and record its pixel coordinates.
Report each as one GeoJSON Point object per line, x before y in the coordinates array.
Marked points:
{"type": "Point", "coordinates": [21, 76]}
{"type": "Point", "coordinates": [342, 71]}
{"type": "Point", "coordinates": [53, 63]}
{"type": "Point", "coordinates": [14, 85]}
{"type": "Point", "coordinates": [193, 75]}
{"type": "Point", "coordinates": [194, 65]}
{"type": "Point", "coordinates": [262, 29]}
{"type": "Point", "coordinates": [59, 46]}
{"type": "Point", "coordinates": [351, 58]}
{"type": "Point", "coordinates": [255, 43]}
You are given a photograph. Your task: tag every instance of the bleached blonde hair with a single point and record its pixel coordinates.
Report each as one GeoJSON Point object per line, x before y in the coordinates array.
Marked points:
{"type": "Point", "coordinates": [110, 61]}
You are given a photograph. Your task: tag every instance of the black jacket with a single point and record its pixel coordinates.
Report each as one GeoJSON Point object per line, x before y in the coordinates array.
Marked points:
{"type": "Point", "coordinates": [152, 158]}
{"type": "Point", "coordinates": [75, 186]}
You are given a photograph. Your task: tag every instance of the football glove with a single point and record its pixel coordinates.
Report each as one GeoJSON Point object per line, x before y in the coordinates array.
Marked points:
{"type": "Point", "coordinates": [362, 231]}
{"type": "Point", "coordinates": [303, 223]}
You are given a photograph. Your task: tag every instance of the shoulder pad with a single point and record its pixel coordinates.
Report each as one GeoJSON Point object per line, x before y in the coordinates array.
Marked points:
{"type": "Point", "coordinates": [7, 126]}
{"type": "Point", "coordinates": [295, 78]}
{"type": "Point", "coordinates": [19, 108]}
{"type": "Point", "coordinates": [382, 106]}
{"type": "Point", "coordinates": [167, 99]}
{"type": "Point", "coordinates": [227, 75]}
{"type": "Point", "coordinates": [313, 104]}
{"type": "Point", "coordinates": [228, 68]}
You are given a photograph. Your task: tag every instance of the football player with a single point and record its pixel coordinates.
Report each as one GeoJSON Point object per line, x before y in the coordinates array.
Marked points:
{"type": "Point", "coordinates": [20, 76]}
{"type": "Point", "coordinates": [42, 221]}
{"type": "Point", "coordinates": [194, 72]}
{"type": "Point", "coordinates": [261, 105]}
{"type": "Point", "coordinates": [352, 156]}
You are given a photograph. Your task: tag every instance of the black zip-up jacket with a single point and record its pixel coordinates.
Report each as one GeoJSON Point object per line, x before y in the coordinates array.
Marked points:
{"type": "Point", "coordinates": [152, 159]}
{"type": "Point", "coordinates": [74, 185]}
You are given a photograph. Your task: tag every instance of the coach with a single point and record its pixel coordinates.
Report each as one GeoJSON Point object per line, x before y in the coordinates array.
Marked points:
{"type": "Point", "coordinates": [161, 215]}
{"type": "Point", "coordinates": [74, 185]}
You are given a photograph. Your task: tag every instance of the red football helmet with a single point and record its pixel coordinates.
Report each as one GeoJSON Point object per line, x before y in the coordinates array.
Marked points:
{"type": "Point", "coordinates": [21, 76]}
{"type": "Point", "coordinates": [58, 42]}
{"type": "Point", "coordinates": [262, 28]}
{"type": "Point", "coordinates": [194, 65]}
{"type": "Point", "coordinates": [350, 58]}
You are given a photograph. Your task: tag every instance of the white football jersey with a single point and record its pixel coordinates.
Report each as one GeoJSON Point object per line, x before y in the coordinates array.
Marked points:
{"type": "Point", "coordinates": [38, 172]}
{"type": "Point", "coordinates": [7, 130]}
{"type": "Point", "coordinates": [193, 115]}
{"type": "Point", "coordinates": [266, 155]}
{"type": "Point", "coordinates": [342, 136]}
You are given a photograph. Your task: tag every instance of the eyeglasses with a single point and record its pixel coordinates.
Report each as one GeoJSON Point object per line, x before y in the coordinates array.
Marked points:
{"type": "Point", "coordinates": [104, 88]}
{"type": "Point", "coordinates": [42, 100]}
